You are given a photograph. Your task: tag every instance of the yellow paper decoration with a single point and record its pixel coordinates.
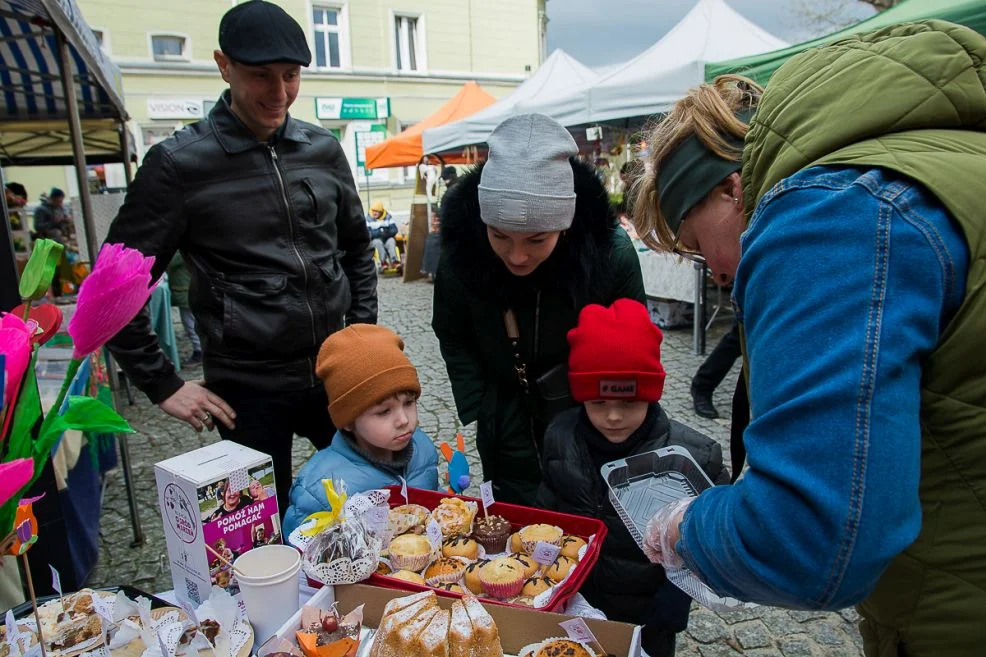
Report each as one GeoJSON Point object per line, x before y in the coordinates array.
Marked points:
{"type": "Point", "coordinates": [325, 519]}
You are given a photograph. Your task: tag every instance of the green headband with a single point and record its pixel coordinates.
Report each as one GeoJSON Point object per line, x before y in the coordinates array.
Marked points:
{"type": "Point", "coordinates": [690, 171]}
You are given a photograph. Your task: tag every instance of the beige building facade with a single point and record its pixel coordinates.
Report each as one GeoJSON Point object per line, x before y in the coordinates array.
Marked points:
{"type": "Point", "coordinates": [378, 67]}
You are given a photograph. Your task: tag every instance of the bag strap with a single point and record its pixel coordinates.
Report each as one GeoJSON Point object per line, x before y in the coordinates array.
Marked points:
{"type": "Point", "coordinates": [513, 334]}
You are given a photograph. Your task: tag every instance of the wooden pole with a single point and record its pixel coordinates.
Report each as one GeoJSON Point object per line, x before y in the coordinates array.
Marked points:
{"type": "Point", "coordinates": [34, 603]}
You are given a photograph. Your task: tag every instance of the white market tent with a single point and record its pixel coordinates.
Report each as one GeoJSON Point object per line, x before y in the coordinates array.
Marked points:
{"type": "Point", "coordinates": [559, 74]}
{"type": "Point", "coordinates": [648, 84]}
{"type": "Point", "coordinates": [655, 79]}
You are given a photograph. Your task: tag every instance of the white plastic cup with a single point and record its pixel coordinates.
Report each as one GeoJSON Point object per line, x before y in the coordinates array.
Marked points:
{"type": "Point", "coordinates": [270, 587]}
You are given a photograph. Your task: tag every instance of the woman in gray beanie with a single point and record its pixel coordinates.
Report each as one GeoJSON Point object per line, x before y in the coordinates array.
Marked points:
{"type": "Point", "coordinates": [528, 240]}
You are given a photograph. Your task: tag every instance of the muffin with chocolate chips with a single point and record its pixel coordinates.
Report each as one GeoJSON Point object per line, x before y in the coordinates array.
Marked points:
{"type": "Point", "coordinates": [461, 546]}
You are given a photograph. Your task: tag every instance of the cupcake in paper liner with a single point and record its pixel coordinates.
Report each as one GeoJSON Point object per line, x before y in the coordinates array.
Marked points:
{"type": "Point", "coordinates": [461, 546]}
{"type": "Point", "coordinates": [450, 588]}
{"type": "Point", "coordinates": [531, 535]}
{"type": "Point", "coordinates": [471, 577]}
{"type": "Point", "coordinates": [572, 547]}
{"type": "Point", "coordinates": [411, 552]}
{"type": "Point", "coordinates": [383, 567]}
{"type": "Point", "coordinates": [561, 568]}
{"type": "Point", "coordinates": [445, 570]}
{"type": "Point", "coordinates": [455, 516]}
{"type": "Point", "coordinates": [492, 532]}
{"type": "Point", "coordinates": [502, 578]}
{"type": "Point", "coordinates": [563, 647]}
{"type": "Point", "coordinates": [528, 650]}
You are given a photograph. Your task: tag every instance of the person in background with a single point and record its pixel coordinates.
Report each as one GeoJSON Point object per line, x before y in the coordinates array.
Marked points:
{"type": "Point", "coordinates": [383, 234]}
{"type": "Point", "coordinates": [528, 239]}
{"type": "Point", "coordinates": [844, 202]}
{"type": "Point", "coordinates": [374, 390]}
{"type": "Point", "coordinates": [50, 219]}
{"type": "Point", "coordinates": [275, 270]}
{"type": "Point", "coordinates": [629, 173]}
{"type": "Point", "coordinates": [612, 424]}
{"type": "Point", "coordinates": [179, 280]}
{"type": "Point", "coordinates": [433, 247]}
{"type": "Point", "coordinates": [449, 176]}
{"type": "Point", "coordinates": [713, 370]}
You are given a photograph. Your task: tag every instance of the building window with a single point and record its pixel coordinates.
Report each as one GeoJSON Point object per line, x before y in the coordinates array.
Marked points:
{"type": "Point", "coordinates": [329, 26]}
{"type": "Point", "coordinates": [169, 47]}
{"type": "Point", "coordinates": [407, 44]}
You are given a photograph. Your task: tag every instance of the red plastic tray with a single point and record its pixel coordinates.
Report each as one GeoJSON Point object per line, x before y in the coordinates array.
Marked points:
{"type": "Point", "coordinates": [518, 517]}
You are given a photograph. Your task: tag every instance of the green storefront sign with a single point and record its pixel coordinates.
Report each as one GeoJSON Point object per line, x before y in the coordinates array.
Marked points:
{"type": "Point", "coordinates": [347, 109]}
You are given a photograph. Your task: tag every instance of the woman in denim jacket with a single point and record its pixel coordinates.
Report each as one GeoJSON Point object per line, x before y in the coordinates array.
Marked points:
{"type": "Point", "coordinates": [846, 211]}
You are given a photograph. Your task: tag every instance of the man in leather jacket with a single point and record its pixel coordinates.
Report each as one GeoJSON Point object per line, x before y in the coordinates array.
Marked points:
{"type": "Point", "coordinates": [265, 212]}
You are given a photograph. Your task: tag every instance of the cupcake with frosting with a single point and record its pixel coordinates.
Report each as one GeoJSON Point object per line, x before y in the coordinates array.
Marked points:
{"type": "Point", "coordinates": [492, 532]}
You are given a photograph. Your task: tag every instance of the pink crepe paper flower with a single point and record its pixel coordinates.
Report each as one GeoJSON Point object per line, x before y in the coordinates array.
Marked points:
{"type": "Point", "coordinates": [13, 475]}
{"type": "Point", "coordinates": [110, 297]}
{"type": "Point", "coordinates": [15, 345]}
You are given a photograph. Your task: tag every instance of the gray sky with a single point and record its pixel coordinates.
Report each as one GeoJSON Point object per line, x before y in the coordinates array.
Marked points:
{"type": "Point", "coordinates": [599, 32]}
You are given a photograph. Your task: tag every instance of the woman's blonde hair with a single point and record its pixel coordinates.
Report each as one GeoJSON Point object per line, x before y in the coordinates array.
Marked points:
{"type": "Point", "coordinates": [709, 112]}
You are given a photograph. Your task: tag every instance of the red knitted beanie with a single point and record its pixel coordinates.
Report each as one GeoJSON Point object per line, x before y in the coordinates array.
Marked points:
{"type": "Point", "coordinates": [615, 353]}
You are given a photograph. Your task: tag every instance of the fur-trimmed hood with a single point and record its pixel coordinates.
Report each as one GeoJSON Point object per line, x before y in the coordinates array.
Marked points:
{"type": "Point", "coordinates": [581, 256]}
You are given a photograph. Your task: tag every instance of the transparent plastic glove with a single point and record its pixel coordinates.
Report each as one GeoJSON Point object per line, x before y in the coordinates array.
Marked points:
{"type": "Point", "coordinates": [663, 533]}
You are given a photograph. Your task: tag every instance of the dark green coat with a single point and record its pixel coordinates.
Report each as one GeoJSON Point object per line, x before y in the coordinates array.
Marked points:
{"type": "Point", "coordinates": [594, 262]}
{"type": "Point", "coordinates": [909, 98]}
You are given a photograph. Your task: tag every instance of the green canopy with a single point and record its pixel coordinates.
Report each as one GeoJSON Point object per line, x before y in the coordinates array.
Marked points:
{"type": "Point", "coordinates": [760, 67]}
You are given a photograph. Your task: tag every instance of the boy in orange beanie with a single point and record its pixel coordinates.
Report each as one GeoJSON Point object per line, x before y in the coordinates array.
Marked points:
{"type": "Point", "coordinates": [373, 394]}
{"type": "Point", "coordinates": [615, 371]}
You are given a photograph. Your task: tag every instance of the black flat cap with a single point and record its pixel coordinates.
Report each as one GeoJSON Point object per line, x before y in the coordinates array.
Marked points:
{"type": "Point", "coordinates": [258, 32]}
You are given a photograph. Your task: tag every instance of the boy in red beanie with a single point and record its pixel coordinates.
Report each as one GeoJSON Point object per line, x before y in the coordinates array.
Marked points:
{"type": "Point", "coordinates": [615, 371]}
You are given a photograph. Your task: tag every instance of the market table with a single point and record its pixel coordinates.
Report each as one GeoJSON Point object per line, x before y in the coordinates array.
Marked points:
{"type": "Point", "coordinates": [667, 276]}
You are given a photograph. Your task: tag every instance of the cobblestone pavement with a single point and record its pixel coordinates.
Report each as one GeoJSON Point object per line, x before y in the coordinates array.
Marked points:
{"type": "Point", "coordinates": [763, 632]}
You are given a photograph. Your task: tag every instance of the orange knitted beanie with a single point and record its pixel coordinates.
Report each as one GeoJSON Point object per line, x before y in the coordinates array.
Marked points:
{"type": "Point", "coordinates": [362, 365]}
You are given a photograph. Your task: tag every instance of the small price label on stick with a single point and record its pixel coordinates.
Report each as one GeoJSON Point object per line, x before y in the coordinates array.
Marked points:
{"type": "Point", "coordinates": [434, 534]}
{"type": "Point", "coordinates": [577, 630]}
{"type": "Point", "coordinates": [486, 492]}
{"type": "Point", "coordinates": [56, 581]}
{"type": "Point", "coordinates": [404, 489]}
{"type": "Point", "coordinates": [376, 519]}
{"type": "Point", "coordinates": [545, 553]}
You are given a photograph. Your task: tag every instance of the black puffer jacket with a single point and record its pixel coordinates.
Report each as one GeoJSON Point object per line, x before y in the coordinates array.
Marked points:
{"type": "Point", "coordinates": [274, 237]}
{"type": "Point", "coordinates": [594, 262]}
{"type": "Point", "coordinates": [623, 584]}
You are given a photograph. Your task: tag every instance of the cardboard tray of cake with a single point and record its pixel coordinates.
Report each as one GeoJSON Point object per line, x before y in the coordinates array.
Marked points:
{"type": "Point", "coordinates": [118, 622]}
{"type": "Point", "coordinates": [515, 555]}
{"type": "Point", "coordinates": [359, 620]}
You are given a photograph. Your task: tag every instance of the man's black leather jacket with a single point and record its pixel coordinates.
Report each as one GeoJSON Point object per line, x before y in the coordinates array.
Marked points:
{"type": "Point", "coordinates": [276, 242]}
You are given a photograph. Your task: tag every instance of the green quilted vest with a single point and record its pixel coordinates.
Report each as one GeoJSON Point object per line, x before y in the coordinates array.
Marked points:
{"type": "Point", "coordinates": [911, 99]}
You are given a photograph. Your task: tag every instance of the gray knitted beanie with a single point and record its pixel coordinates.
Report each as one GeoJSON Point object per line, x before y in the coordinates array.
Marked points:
{"type": "Point", "coordinates": [527, 184]}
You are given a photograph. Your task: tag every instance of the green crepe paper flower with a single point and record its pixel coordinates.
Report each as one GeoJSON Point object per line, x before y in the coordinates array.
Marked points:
{"type": "Point", "coordinates": [40, 269]}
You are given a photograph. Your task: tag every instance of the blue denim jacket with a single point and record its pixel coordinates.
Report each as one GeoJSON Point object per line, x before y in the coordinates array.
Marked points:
{"type": "Point", "coordinates": [848, 277]}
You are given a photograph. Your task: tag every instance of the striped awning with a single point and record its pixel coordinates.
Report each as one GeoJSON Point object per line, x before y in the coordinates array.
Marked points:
{"type": "Point", "coordinates": [30, 76]}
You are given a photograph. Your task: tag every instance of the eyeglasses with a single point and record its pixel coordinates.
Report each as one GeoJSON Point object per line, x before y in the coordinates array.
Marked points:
{"type": "Point", "coordinates": [685, 253]}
